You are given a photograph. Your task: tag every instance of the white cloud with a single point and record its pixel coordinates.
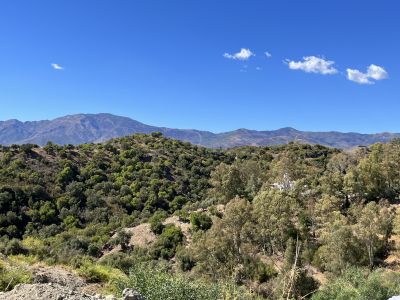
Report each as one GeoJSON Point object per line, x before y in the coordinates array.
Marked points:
{"type": "Point", "coordinates": [313, 64]}
{"type": "Point", "coordinates": [268, 54]}
{"type": "Point", "coordinates": [377, 72]}
{"type": "Point", "coordinates": [357, 76]}
{"type": "Point", "coordinates": [57, 67]}
{"type": "Point", "coordinates": [244, 54]}
{"type": "Point", "coordinates": [373, 72]}
{"type": "Point", "coordinates": [258, 68]}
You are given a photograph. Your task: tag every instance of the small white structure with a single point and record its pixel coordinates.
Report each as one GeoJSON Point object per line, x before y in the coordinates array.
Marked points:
{"type": "Point", "coordinates": [285, 185]}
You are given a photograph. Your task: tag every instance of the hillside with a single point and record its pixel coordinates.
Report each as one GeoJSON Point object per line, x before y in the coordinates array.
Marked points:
{"type": "Point", "coordinates": [172, 219]}
{"type": "Point", "coordinates": [88, 128]}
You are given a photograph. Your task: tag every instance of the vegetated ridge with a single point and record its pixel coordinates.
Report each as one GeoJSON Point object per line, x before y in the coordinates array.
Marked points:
{"type": "Point", "coordinates": [94, 128]}
{"type": "Point", "coordinates": [179, 221]}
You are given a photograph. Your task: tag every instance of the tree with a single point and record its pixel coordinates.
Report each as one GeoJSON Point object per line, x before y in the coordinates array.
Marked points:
{"type": "Point", "coordinates": [377, 176]}
{"type": "Point", "coordinates": [326, 210]}
{"type": "Point", "coordinates": [340, 247]}
{"type": "Point", "coordinates": [288, 164]}
{"type": "Point", "coordinates": [274, 211]}
{"type": "Point", "coordinates": [293, 281]}
{"type": "Point", "coordinates": [333, 180]}
{"type": "Point", "coordinates": [223, 250]}
{"type": "Point", "coordinates": [227, 182]}
{"type": "Point", "coordinates": [373, 228]}
{"type": "Point", "coordinates": [66, 176]}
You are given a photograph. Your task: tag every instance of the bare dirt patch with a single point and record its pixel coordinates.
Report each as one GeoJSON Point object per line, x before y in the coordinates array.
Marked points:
{"type": "Point", "coordinates": [56, 274]}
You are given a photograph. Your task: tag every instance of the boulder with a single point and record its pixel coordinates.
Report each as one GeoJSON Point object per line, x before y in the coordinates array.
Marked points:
{"type": "Point", "coordinates": [131, 294]}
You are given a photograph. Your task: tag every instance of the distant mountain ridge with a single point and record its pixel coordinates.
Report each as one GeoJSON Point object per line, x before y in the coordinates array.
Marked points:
{"type": "Point", "coordinates": [88, 128]}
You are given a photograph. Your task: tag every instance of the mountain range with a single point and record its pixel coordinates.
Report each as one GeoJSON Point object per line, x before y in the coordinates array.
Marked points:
{"type": "Point", "coordinates": [94, 128]}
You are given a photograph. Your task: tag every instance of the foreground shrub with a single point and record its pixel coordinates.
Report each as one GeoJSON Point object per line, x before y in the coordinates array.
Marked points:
{"type": "Point", "coordinates": [93, 272]}
{"type": "Point", "coordinates": [360, 284]}
{"type": "Point", "coordinates": [12, 274]}
{"type": "Point", "coordinates": [157, 284]}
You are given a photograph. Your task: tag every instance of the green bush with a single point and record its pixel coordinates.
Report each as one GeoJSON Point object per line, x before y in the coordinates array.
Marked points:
{"type": "Point", "coordinates": [361, 284]}
{"type": "Point", "coordinates": [200, 221]}
{"type": "Point", "coordinates": [12, 274]}
{"type": "Point", "coordinates": [157, 284]}
{"type": "Point", "coordinates": [14, 247]}
{"type": "Point", "coordinates": [185, 259]}
{"type": "Point", "coordinates": [170, 238]}
{"type": "Point", "coordinates": [156, 222]}
{"type": "Point", "coordinates": [122, 239]}
{"type": "Point", "coordinates": [261, 271]}
{"type": "Point", "coordinates": [177, 203]}
{"type": "Point", "coordinates": [97, 273]}
{"type": "Point", "coordinates": [125, 261]}
{"type": "Point", "coordinates": [35, 247]}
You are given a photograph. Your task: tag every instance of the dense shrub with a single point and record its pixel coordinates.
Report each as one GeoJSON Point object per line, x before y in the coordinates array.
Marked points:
{"type": "Point", "coordinates": [121, 239]}
{"type": "Point", "coordinates": [97, 273]}
{"type": "Point", "coordinates": [157, 284]}
{"type": "Point", "coordinates": [200, 221]}
{"type": "Point", "coordinates": [12, 274]}
{"type": "Point", "coordinates": [168, 241]}
{"type": "Point", "coordinates": [156, 222]}
{"type": "Point", "coordinates": [360, 284]}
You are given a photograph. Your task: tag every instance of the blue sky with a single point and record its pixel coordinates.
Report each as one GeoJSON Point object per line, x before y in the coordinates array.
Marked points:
{"type": "Point", "coordinates": [180, 64]}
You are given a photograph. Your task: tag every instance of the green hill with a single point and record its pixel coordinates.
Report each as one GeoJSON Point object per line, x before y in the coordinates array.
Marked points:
{"type": "Point", "coordinates": [272, 222]}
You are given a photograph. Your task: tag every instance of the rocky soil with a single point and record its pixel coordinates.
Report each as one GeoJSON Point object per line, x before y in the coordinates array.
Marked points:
{"type": "Point", "coordinates": [55, 291]}
{"type": "Point", "coordinates": [39, 291]}
{"type": "Point", "coordinates": [59, 283]}
{"type": "Point", "coordinates": [58, 275]}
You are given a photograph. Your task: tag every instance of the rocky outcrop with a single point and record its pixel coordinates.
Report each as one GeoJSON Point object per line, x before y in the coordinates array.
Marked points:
{"type": "Point", "coordinates": [56, 274]}
{"type": "Point", "coordinates": [42, 291]}
{"type": "Point", "coordinates": [131, 294]}
{"type": "Point", "coordinates": [55, 291]}
{"type": "Point", "coordinates": [58, 283]}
